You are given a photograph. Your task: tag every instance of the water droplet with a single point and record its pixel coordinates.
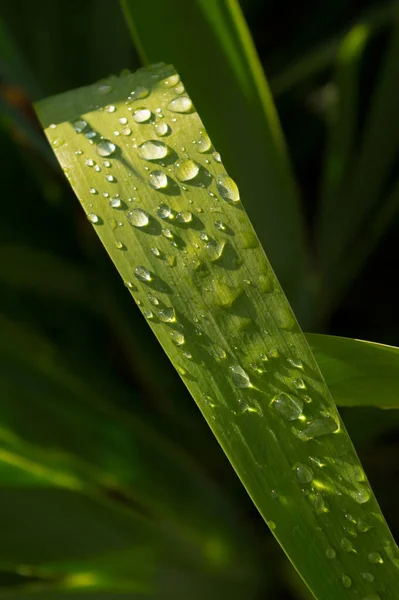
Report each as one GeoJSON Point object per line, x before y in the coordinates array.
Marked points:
{"type": "Point", "coordinates": [115, 202]}
{"type": "Point", "coordinates": [138, 217]}
{"type": "Point", "coordinates": [216, 157]}
{"type": "Point", "coordinates": [139, 93]}
{"type": "Point", "coordinates": [375, 558]}
{"type": "Point", "coordinates": [153, 150]}
{"type": "Point", "coordinates": [178, 338]}
{"type": "Point", "coordinates": [104, 89]}
{"type": "Point", "coordinates": [215, 249]}
{"type": "Point", "coordinates": [167, 233]}
{"type": "Point", "coordinates": [220, 226]}
{"type": "Point", "coordinates": [287, 406]}
{"type": "Point", "coordinates": [161, 129]}
{"type": "Point", "coordinates": [228, 188]}
{"type": "Point", "coordinates": [158, 180]}
{"type": "Point", "coordinates": [362, 496]}
{"type": "Point", "coordinates": [80, 125]}
{"type": "Point", "coordinates": [318, 427]}
{"type": "Point", "coordinates": [164, 211]}
{"type": "Point", "coordinates": [319, 506]}
{"type": "Point", "coordinates": [148, 313]}
{"type": "Point", "coordinates": [105, 148]}
{"type": "Point", "coordinates": [346, 545]}
{"type": "Point", "coordinates": [218, 352]}
{"type": "Point", "coordinates": [240, 377]}
{"type": "Point", "coordinates": [110, 178]}
{"type": "Point", "coordinates": [273, 353]}
{"type": "Point", "coordinates": [142, 115]}
{"type": "Point", "coordinates": [346, 581]}
{"type": "Point", "coordinates": [119, 245]}
{"type": "Point", "coordinates": [126, 131]}
{"type": "Point", "coordinates": [142, 274]}
{"type": "Point", "coordinates": [111, 108]}
{"type": "Point", "coordinates": [304, 473]}
{"type": "Point", "coordinates": [367, 577]}
{"type": "Point", "coordinates": [91, 134]}
{"type": "Point", "coordinates": [184, 216]}
{"type": "Point", "coordinates": [186, 170]}
{"type": "Point", "coordinates": [204, 143]}
{"type": "Point", "coordinates": [330, 553]}
{"type": "Point", "coordinates": [172, 80]}
{"type": "Point", "coordinates": [93, 218]}
{"type": "Point", "coordinates": [295, 362]}
{"type": "Point", "coordinates": [299, 384]}
{"type": "Point", "coordinates": [89, 162]}
{"type": "Point", "coordinates": [156, 251]}
{"type": "Point", "coordinates": [182, 104]}
{"type": "Point", "coordinates": [362, 526]}
{"type": "Point", "coordinates": [93, 191]}
{"type": "Point", "coordinates": [167, 315]}
{"type": "Point", "coordinates": [179, 89]}
{"type": "Point", "coordinates": [123, 120]}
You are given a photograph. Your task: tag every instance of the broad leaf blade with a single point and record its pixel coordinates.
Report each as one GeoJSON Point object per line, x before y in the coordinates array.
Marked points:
{"type": "Point", "coordinates": [187, 252]}
{"type": "Point", "coordinates": [217, 59]}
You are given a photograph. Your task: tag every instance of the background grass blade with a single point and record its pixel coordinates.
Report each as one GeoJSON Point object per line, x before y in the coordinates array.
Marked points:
{"type": "Point", "coordinates": [174, 227]}
{"type": "Point", "coordinates": [322, 57]}
{"type": "Point", "coordinates": [358, 373]}
{"type": "Point", "coordinates": [354, 209]}
{"type": "Point", "coordinates": [219, 64]}
{"type": "Point", "coordinates": [342, 121]}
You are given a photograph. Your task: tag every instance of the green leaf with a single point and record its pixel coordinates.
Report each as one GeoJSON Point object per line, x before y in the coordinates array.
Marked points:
{"type": "Point", "coordinates": [354, 207]}
{"type": "Point", "coordinates": [358, 373]}
{"type": "Point", "coordinates": [211, 47]}
{"type": "Point", "coordinates": [342, 121]}
{"type": "Point", "coordinates": [172, 222]}
{"type": "Point", "coordinates": [321, 58]}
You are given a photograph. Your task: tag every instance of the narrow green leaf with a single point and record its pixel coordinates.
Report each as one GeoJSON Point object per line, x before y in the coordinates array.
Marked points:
{"type": "Point", "coordinates": [173, 224]}
{"type": "Point", "coordinates": [358, 373]}
{"type": "Point", "coordinates": [353, 211]}
{"type": "Point", "coordinates": [321, 58]}
{"type": "Point", "coordinates": [211, 47]}
{"type": "Point", "coordinates": [342, 121]}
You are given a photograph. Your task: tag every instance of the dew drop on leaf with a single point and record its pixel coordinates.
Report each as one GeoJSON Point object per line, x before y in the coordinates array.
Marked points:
{"type": "Point", "coordinates": [182, 104]}
{"type": "Point", "coordinates": [80, 125]}
{"type": "Point", "coordinates": [304, 473]}
{"type": "Point", "coordinates": [153, 150]}
{"type": "Point", "coordinates": [161, 129]}
{"type": "Point", "coordinates": [93, 218]}
{"type": "Point", "coordinates": [330, 553]}
{"type": "Point", "coordinates": [105, 148]}
{"type": "Point", "coordinates": [375, 558]}
{"type": "Point", "coordinates": [287, 406]}
{"type": "Point", "coordinates": [142, 274]}
{"type": "Point", "coordinates": [158, 180]}
{"type": "Point", "coordinates": [177, 337]}
{"type": "Point", "coordinates": [228, 188]}
{"type": "Point", "coordinates": [138, 217]}
{"type": "Point", "coordinates": [240, 377]}
{"type": "Point", "coordinates": [167, 315]}
{"type": "Point", "coordinates": [142, 115]}
{"type": "Point", "coordinates": [186, 170]}
{"type": "Point", "coordinates": [184, 216]}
